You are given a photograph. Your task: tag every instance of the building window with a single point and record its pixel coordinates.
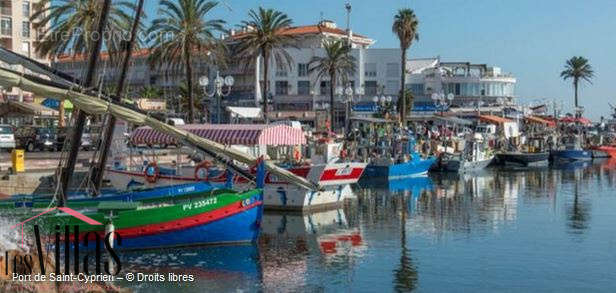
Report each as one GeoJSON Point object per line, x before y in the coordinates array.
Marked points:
{"type": "Point", "coordinates": [393, 87]}
{"type": "Point", "coordinates": [325, 85]}
{"type": "Point", "coordinates": [25, 47]}
{"type": "Point", "coordinates": [25, 29]}
{"type": "Point", "coordinates": [282, 87]}
{"type": "Point", "coordinates": [393, 70]}
{"type": "Point", "coordinates": [370, 70]}
{"type": "Point", "coordinates": [6, 26]}
{"type": "Point", "coordinates": [371, 88]}
{"type": "Point", "coordinates": [303, 87]}
{"type": "Point", "coordinates": [302, 69]}
{"type": "Point", "coordinates": [281, 73]}
{"type": "Point", "coordinates": [25, 8]}
{"type": "Point", "coordinates": [416, 88]}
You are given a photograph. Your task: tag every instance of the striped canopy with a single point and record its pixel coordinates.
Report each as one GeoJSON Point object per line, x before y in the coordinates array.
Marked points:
{"type": "Point", "coordinates": [228, 134]}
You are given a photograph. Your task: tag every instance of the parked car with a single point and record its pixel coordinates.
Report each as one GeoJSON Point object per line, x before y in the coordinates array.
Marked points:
{"type": "Point", "coordinates": [7, 137]}
{"type": "Point", "coordinates": [32, 138]}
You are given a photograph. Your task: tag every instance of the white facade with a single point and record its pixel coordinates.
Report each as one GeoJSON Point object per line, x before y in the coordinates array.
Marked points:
{"type": "Point", "coordinates": [18, 35]}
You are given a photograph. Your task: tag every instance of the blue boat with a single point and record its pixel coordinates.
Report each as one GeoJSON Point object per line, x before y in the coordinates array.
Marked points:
{"type": "Point", "coordinates": [416, 166]}
{"type": "Point", "coordinates": [572, 151]}
{"type": "Point", "coordinates": [387, 168]}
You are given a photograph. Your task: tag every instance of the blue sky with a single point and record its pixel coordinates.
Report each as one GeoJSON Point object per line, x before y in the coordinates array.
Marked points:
{"type": "Point", "coordinates": [529, 38]}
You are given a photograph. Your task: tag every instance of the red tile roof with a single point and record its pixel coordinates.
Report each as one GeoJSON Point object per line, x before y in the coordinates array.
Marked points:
{"type": "Point", "coordinates": [309, 30]}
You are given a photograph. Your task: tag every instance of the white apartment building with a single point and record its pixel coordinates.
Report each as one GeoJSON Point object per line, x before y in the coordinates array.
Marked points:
{"type": "Point", "coordinates": [295, 91]}
{"type": "Point", "coordinates": [18, 35]}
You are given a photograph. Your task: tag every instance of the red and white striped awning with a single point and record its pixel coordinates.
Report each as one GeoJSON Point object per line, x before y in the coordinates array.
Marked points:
{"type": "Point", "coordinates": [227, 134]}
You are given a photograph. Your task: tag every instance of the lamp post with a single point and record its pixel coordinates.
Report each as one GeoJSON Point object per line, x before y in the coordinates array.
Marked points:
{"type": "Point", "coordinates": [384, 102]}
{"type": "Point", "coordinates": [442, 100]}
{"type": "Point", "coordinates": [349, 92]}
{"type": "Point", "coordinates": [219, 89]}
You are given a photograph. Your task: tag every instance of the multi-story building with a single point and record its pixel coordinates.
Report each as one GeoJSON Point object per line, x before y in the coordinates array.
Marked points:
{"type": "Point", "coordinates": [294, 92]}
{"type": "Point", "coordinates": [18, 35]}
{"type": "Point", "coordinates": [140, 75]}
{"type": "Point", "coordinates": [469, 83]}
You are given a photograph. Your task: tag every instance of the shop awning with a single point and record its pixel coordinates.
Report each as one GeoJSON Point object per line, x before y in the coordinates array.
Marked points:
{"type": "Point", "coordinates": [539, 120]}
{"type": "Point", "coordinates": [493, 119]}
{"type": "Point", "coordinates": [245, 112]}
{"type": "Point", "coordinates": [580, 120]}
{"type": "Point", "coordinates": [227, 134]}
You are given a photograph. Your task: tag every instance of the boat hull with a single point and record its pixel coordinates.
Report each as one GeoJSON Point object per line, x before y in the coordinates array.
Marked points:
{"type": "Point", "coordinates": [604, 152]}
{"type": "Point", "coordinates": [399, 171]}
{"type": "Point", "coordinates": [523, 159]}
{"type": "Point", "coordinates": [210, 220]}
{"type": "Point", "coordinates": [570, 155]}
{"type": "Point", "coordinates": [456, 165]}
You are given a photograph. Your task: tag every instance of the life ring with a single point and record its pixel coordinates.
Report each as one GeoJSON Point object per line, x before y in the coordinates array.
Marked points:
{"type": "Point", "coordinates": [151, 172]}
{"type": "Point", "coordinates": [202, 171]}
{"type": "Point", "coordinates": [297, 155]}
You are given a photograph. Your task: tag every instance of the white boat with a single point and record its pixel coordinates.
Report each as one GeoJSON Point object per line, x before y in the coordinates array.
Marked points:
{"type": "Point", "coordinates": [280, 142]}
{"type": "Point", "coordinates": [475, 156]}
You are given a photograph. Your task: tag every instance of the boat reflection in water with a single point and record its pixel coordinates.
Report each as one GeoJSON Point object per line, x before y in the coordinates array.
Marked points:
{"type": "Point", "coordinates": [293, 246]}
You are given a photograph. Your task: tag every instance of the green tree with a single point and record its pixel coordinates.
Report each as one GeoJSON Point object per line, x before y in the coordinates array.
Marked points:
{"type": "Point", "coordinates": [265, 38]}
{"type": "Point", "coordinates": [405, 27]}
{"type": "Point", "coordinates": [337, 64]}
{"type": "Point", "coordinates": [577, 68]}
{"type": "Point", "coordinates": [181, 32]}
{"type": "Point", "coordinates": [70, 27]}
{"type": "Point", "coordinates": [149, 92]}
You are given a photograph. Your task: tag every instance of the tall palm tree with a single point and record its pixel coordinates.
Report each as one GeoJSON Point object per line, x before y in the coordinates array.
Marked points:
{"type": "Point", "coordinates": [266, 38]}
{"type": "Point", "coordinates": [405, 27]}
{"type": "Point", "coordinates": [68, 27]}
{"type": "Point", "coordinates": [577, 68]}
{"type": "Point", "coordinates": [409, 98]}
{"type": "Point", "coordinates": [182, 32]}
{"type": "Point", "coordinates": [337, 64]}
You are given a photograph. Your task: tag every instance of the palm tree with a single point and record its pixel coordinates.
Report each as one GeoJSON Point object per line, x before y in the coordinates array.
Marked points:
{"type": "Point", "coordinates": [408, 98]}
{"type": "Point", "coordinates": [265, 38]}
{"type": "Point", "coordinates": [405, 27]}
{"type": "Point", "coordinates": [337, 64]}
{"type": "Point", "coordinates": [183, 32]}
{"type": "Point", "coordinates": [577, 68]}
{"type": "Point", "coordinates": [68, 27]}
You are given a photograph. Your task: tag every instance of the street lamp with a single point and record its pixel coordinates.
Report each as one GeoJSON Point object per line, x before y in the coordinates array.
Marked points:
{"type": "Point", "coordinates": [219, 89]}
{"type": "Point", "coordinates": [441, 100]}
{"type": "Point", "coordinates": [348, 92]}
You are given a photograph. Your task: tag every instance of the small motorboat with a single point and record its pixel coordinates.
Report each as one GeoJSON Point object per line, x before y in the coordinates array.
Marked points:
{"type": "Point", "coordinates": [525, 159]}
{"type": "Point", "coordinates": [476, 156]}
{"type": "Point", "coordinates": [572, 150]}
{"type": "Point", "coordinates": [604, 151]}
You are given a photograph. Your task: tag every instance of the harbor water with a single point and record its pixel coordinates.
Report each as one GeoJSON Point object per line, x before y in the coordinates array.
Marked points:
{"type": "Point", "coordinates": [546, 229]}
{"type": "Point", "coordinates": [549, 229]}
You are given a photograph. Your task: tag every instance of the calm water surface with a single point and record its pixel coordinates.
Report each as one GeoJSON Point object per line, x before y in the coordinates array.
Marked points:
{"type": "Point", "coordinates": [549, 229]}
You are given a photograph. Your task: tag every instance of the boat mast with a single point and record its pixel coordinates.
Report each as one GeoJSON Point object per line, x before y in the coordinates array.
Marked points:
{"type": "Point", "coordinates": [75, 141]}
{"type": "Point", "coordinates": [97, 175]}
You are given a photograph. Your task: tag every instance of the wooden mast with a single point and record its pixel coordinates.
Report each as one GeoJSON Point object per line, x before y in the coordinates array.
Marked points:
{"type": "Point", "coordinates": [75, 141]}
{"type": "Point", "coordinates": [97, 175]}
